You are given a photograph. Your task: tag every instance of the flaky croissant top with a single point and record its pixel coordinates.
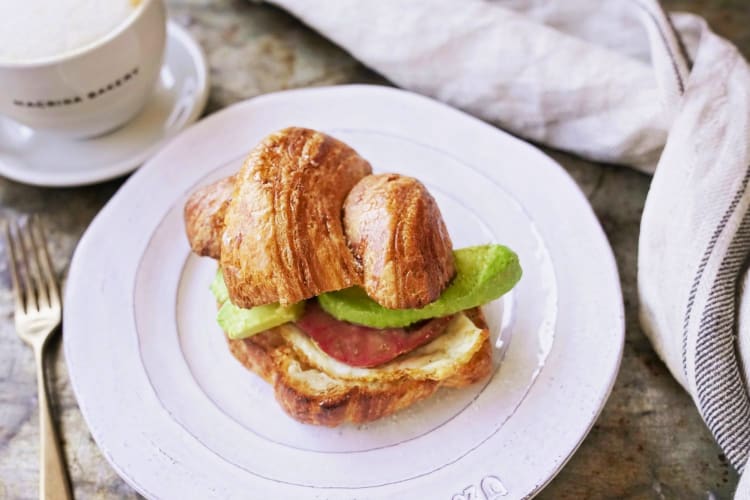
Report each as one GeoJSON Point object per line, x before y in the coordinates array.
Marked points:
{"type": "Point", "coordinates": [304, 216]}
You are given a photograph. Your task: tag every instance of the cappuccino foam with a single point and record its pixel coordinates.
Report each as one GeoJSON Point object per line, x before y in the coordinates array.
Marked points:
{"type": "Point", "coordinates": [38, 29]}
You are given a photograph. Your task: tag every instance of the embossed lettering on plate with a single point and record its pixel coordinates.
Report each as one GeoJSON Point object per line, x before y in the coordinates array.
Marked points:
{"type": "Point", "coordinates": [490, 488]}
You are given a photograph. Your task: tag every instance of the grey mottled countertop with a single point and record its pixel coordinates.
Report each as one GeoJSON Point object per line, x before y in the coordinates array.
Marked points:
{"type": "Point", "coordinates": [649, 441]}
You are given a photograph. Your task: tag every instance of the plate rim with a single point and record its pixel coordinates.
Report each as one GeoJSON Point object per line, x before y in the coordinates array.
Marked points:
{"type": "Point", "coordinates": [618, 333]}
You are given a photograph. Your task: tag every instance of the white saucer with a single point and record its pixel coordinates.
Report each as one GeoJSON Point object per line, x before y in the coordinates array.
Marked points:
{"type": "Point", "coordinates": [178, 100]}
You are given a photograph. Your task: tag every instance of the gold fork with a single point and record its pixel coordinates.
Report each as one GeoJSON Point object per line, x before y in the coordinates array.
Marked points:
{"type": "Point", "coordinates": [37, 315]}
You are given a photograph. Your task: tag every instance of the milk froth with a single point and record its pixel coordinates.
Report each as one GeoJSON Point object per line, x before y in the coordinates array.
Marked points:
{"type": "Point", "coordinates": [38, 29]}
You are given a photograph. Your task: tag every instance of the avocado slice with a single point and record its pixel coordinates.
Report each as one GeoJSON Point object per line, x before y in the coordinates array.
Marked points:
{"type": "Point", "coordinates": [483, 274]}
{"type": "Point", "coordinates": [241, 323]}
{"type": "Point", "coordinates": [219, 288]}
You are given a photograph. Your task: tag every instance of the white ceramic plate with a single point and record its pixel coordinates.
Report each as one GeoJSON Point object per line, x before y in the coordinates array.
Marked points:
{"type": "Point", "coordinates": [178, 417]}
{"type": "Point", "coordinates": [178, 99]}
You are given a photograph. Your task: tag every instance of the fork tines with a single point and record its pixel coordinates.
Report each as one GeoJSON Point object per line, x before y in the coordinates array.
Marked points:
{"type": "Point", "coordinates": [31, 271]}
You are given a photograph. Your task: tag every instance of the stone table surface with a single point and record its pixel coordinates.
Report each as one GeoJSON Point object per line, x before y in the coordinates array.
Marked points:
{"type": "Point", "coordinates": [649, 441]}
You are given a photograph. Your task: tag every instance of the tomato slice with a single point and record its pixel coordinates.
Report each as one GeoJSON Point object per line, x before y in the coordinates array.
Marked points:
{"type": "Point", "coordinates": [362, 346]}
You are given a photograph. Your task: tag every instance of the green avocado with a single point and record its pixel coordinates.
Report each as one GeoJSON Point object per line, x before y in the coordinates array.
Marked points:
{"type": "Point", "coordinates": [219, 288]}
{"type": "Point", "coordinates": [241, 323]}
{"type": "Point", "coordinates": [483, 274]}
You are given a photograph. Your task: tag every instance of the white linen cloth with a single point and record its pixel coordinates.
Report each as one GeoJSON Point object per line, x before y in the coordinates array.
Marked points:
{"type": "Point", "coordinates": [616, 81]}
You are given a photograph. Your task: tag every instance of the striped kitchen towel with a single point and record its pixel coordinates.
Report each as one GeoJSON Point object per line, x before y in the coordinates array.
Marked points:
{"type": "Point", "coordinates": [617, 81]}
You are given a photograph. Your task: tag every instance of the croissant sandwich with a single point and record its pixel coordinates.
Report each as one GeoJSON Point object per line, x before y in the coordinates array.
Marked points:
{"type": "Point", "coordinates": [341, 288]}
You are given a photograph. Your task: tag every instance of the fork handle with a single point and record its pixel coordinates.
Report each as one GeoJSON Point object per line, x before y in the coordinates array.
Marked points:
{"type": "Point", "coordinates": [53, 477]}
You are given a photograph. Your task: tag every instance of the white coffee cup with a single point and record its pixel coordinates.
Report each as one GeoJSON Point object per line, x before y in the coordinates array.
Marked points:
{"type": "Point", "coordinates": [93, 89]}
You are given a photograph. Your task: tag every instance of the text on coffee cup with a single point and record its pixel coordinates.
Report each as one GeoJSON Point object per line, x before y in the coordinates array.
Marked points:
{"type": "Point", "coordinates": [67, 101]}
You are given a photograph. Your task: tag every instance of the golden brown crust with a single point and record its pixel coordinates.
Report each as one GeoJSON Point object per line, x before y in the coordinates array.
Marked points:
{"type": "Point", "coordinates": [397, 233]}
{"type": "Point", "coordinates": [283, 239]}
{"type": "Point", "coordinates": [204, 217]}
{"type": "Point", "coordinates": [277, 227]}
{"type": "Point", "coordinates": [355, 404]}
{"type": "Point", "coordinates": [337, 402]}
